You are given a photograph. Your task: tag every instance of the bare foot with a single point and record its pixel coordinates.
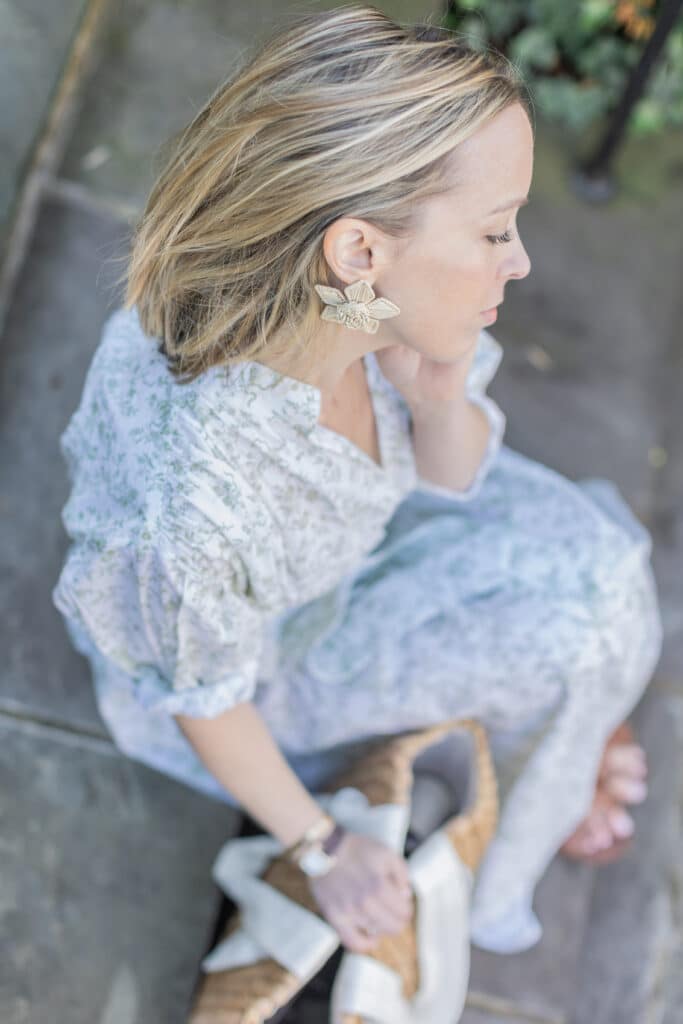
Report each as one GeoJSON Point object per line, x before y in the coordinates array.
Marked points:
{"type": "Point", "coordinates": [605, 832]}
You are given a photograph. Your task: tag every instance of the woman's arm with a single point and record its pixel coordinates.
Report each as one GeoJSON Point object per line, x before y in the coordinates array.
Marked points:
{"type": "Point", "coordinates": [450, 433]}
{"type": "Point", "coordinates": [239, 750]}
{"type": "Point", "coordinates": [450, 441]}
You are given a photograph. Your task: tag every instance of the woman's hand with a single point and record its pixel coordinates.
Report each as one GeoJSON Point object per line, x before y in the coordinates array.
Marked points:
{"type": "Point", "coordinates": [366, 894]}
{"type": "Point", "coordinates": [423, 382]}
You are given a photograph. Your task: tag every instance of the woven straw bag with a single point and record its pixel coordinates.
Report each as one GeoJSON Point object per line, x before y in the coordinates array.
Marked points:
{"type": "Point", "coordinates": [403, 978]}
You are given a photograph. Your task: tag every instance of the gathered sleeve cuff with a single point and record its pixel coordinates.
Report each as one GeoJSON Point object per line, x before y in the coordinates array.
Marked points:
{"type": "Point", "coordinates": [189, 642]}
{"type": "Point", "coordinates": [487, 359]}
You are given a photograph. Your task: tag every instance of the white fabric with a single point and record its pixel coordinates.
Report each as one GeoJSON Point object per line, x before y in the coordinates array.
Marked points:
{"type": "Point", "coordinates": [273, 926]}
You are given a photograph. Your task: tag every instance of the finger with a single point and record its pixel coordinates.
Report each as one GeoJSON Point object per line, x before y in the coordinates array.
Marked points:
{"type": "Point", "coordinates": [382, 917]}
{"type": "Point", "coordinates": [399, 874]}
{"type": "Point", "coordinates": [349, 930]}
{"type": "Point", "coordinates": [403, 899]}
{"type": "Point", "coordinates": [355, 939]}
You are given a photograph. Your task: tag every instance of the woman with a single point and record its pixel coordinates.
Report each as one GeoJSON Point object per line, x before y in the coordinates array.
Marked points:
{"type": "Point", "coordinates": [294, 524]}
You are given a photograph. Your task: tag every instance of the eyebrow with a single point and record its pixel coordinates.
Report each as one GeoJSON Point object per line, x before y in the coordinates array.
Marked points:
{"type": "Point", "coordinates": [508, 206]}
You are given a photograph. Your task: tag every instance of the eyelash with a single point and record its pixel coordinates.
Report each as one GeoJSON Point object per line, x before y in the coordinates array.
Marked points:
{"type": "Point", "coordinates": [497, 239]}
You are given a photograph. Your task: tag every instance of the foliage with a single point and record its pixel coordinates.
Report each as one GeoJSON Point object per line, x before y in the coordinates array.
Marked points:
{"type": "Point", "coordinates": [576, 55]}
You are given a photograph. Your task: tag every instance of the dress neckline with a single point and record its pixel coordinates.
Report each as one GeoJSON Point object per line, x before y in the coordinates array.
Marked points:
{"type": "Point", "coordinates": [303, 401]}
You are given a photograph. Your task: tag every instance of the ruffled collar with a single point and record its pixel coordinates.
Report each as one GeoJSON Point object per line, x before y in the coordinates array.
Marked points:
{"type": "Point", "coordinates": [295, 400]}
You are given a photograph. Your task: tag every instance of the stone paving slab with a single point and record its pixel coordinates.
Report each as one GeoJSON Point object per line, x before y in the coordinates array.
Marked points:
{"type": "Point", "coordinates": [668, 568]}
{"type": "Point", "coordinates": [161, 62]}
{"type": "Point", "coordinates": [53, 327]}
{"type": "Point", "coordinates": [630, 936]}
{"type": "Point", "coordinates": [668, 507]}
{"type": "Point", "coordinates": [34, 39]}
{"type": "Point", "coordinates": [542, 980]}
{"type": "Point", "coordinates": [672, 985]}
{"type": "Point", "coordinates": [476, 1015]}
{"type": "Point", "coordinates": [107, 893]}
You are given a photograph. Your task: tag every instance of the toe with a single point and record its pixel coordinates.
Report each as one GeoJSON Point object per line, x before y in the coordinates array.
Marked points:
{"type": "Point", "coordinates": [625, 789]}
{"type": "Point", "coordinates": [621, 822]}
{"type": "Point", "coordinates": [626, 760]}
{"type": "Point", "coordinates": [599, 834]}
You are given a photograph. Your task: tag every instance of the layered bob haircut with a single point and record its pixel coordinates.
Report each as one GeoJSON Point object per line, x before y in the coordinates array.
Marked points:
{"type": "Point", "coordinates": [342, 113]}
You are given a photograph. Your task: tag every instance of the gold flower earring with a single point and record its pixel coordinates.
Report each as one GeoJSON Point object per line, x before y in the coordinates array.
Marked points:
{"type": "Point", "coordinates": [356, 308]}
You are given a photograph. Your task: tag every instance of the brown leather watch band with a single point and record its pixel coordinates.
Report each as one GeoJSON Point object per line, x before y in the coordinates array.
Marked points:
{"type": "Point", "coordinates": [334, 839]}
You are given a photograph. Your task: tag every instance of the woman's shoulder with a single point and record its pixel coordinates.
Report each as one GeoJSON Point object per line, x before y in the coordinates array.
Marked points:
{"type": "Point", "coordinates": [140, 444]}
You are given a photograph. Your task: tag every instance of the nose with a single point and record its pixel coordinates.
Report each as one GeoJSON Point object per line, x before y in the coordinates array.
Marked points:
{"type": "Point", "coordinates": [520, 262]}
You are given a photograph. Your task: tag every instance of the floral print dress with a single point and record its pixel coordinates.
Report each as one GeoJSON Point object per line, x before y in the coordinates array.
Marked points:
{"type": "Point", "coordinates": [226, 547]}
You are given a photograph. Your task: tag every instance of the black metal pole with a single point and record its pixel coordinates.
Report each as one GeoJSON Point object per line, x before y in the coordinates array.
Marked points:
{"type": "Point", "coordinates": [592, 179]}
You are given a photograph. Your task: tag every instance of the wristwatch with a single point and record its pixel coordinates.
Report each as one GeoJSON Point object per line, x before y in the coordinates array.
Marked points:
{"type": "Point", "coordinates": [315, 852]}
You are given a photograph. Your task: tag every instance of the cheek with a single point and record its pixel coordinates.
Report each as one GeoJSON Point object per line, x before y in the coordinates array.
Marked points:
{"type": "Point", "coordinates": [461, 285]}
{"type": "Point", "coordinates": [443, 286]}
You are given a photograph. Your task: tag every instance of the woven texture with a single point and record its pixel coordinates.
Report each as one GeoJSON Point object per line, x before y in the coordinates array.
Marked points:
{"type": "Point", "coordinates": [254, 993]}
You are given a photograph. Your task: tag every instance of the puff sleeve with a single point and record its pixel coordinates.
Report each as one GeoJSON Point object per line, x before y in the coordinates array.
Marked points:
{"type": "Point", "coordinates": [188, 638]}
{"type": "Point", "coordinates": [487, 359]}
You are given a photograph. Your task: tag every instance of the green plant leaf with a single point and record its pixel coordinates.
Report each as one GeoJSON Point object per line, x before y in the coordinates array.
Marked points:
{"type": "Point", "coordinates": [595, 14]}
{"type": "Point", "coordinates": [533, 47]}
{"type": "Point", "coordinates": [569, 103]}
{"type": "Point", "coordinates": [476, 31]}
{"type": "Point", "coordinates": [647, 117]}
{"type": "Point", "coordinates": [604, 53]}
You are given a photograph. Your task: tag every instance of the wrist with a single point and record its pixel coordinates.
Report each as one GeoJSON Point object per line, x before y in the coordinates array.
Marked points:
{"type": "Point", "coordinates": [333, 841]}
{"type": "Point", "coordinates": [316, 832]}
{"type": "Point", "coordinates": [316, 852]}
{"type": "Point", "coordinates": [439, 410]}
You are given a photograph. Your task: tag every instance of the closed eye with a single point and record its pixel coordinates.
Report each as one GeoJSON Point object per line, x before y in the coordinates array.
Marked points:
{"type": "Point", "coordinates": [498, 239]}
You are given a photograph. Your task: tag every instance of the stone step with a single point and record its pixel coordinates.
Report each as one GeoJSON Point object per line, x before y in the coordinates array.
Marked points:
{"type": "Point", "coordinates": [107, 888]}
{"type": "Point", "coordinates": [35, 42]}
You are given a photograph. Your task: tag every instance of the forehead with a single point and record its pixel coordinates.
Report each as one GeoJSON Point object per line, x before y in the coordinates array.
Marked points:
{"type": "Point", "coordinates": [495, 165]}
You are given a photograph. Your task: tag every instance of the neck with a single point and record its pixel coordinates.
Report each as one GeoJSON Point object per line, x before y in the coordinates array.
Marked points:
{"type": "Point", "coordinates": [334, 356]}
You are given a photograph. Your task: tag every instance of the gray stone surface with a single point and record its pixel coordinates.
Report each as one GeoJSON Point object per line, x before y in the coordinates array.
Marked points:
{"type": "Point", "coordinates": [107, 897]}
{"type": "Point", "coordinates": [672, 985]}
{"type": "Point", "coordinates": [161, 61]}
{"type": "Point", "coordinates": [506, 1015]}
{"type": "Point", "coordinates": [542, 980]}
{"type": "Point", "coordinates": [52, 329]}
{"type": "Point", "coordinates": [667, 517]}
{"type": "Point", "coordinates": [630, 935]}
{"type": "Point", "coordinates": [34, 41]}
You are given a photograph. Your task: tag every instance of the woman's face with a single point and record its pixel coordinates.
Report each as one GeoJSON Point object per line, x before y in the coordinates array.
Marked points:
{"type": "Point", "coordinates": [452, 269]}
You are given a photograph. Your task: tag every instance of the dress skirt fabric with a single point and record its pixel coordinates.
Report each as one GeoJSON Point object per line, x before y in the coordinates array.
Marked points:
{"type": "Point", "coordinates": [532, 608]}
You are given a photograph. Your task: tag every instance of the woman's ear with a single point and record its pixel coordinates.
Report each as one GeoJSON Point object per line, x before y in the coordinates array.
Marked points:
{"type": "Point", "coordinates": [353, 249]}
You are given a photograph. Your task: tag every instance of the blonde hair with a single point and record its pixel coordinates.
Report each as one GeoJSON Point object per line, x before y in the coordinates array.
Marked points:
{"type": "Point", "coordinates": [344, 113]}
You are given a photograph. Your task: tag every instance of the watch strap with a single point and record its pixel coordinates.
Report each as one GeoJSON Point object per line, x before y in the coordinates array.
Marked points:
{"type": "Point", "coordinates": [335, 837]}
{"type": "Point", "coordinates": [321, 829]}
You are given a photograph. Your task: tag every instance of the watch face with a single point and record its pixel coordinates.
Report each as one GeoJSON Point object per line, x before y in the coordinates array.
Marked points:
{"type": "Point", "coordinates": [316, 862]}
